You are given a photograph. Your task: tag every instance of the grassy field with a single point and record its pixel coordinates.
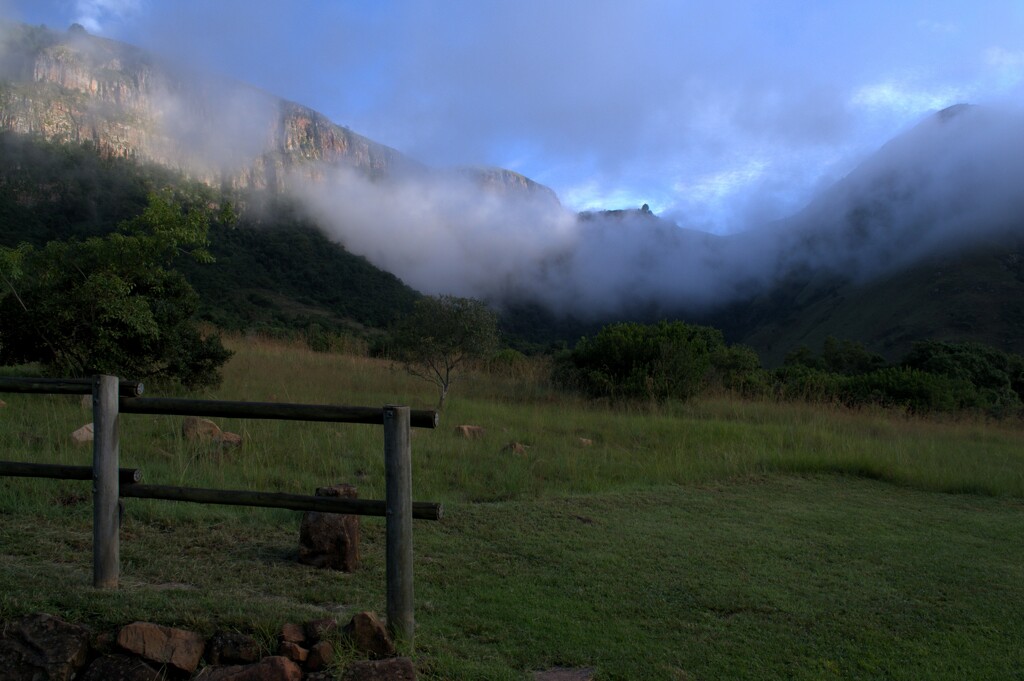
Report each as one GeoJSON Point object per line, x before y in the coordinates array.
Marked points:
{"type": "Point", "coordinates": [715, 540]}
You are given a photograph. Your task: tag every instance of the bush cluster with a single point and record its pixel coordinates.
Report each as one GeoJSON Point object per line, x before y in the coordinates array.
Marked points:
{"type": "Point", "coordinates": [935, 376]}
{"type": "Point", "coordinates": [674, 360]}
{"type": "Point", "coordinates": [667, 360]}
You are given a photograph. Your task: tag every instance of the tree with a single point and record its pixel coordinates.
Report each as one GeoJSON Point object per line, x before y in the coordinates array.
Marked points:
{"type": "Point", "coordinates": [667, 360]}
{"type": "Point", "coordinates": [441, 334]}
{"type": "Point", "coordinates": [996, 377]}
{"type": "Point", "coordinates": [112, 304]}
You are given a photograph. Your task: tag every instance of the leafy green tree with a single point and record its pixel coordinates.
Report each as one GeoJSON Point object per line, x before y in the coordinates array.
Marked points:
{"type": "Point", "coordinates": [112, 304]}
{"type": "Point", "coordinates": [843, 357]}
{"type": "Point", "coordinates": [440, 335]}
{"type": "Point", "coordinates": [737, 368]}
{"type": "Point", "coordinates": [849, 358]}
{"type": "Point", "coordinates": [903, 387]}
{"type": "Point", "coordinates": [997, 377]}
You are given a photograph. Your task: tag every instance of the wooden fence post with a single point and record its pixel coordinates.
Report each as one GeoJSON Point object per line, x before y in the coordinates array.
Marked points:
{"type": "Point", "coordinates": [106, 549]}
{"type": "Point", "coordinates": [398, 482]}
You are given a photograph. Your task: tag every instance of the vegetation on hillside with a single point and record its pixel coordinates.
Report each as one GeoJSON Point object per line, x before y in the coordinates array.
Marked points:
{"type": "Point", "coordinates": [677, 361]}
{"type": "Point", "coordinates": [274, 270]}
{"type": "Point", "coordinates": [112, 304]}
{"type": "Point", "coordinates": [277, 273]}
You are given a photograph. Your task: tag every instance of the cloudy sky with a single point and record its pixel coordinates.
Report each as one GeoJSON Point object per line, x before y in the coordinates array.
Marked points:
{"type": "Point", "coordinates": [716, 114]}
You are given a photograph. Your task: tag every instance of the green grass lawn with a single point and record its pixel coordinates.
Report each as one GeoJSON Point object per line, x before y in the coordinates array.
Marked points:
{"type": "Point", "coordinates": [715, 540]}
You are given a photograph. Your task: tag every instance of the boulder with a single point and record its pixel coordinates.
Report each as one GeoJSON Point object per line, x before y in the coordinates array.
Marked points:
{"type": "Point", "coordinates": [195, 428]}
{"type": "Point", "coordinates": [330, 540]}
{"type": "Point", "coordinates": [470, 432]}
{"type": "Point", "coordinates": [293, 651]}
{"type": "Point", "coordinates": [179, 648]}
{"type": "Point", "coordinates": [120, 668]}
{"type": "Point", "coordinates": [368, 635]}
{"type": "Point", "coordinates": [229, 647]}
{"type": "Point", "coordinates": [228, 440]}
{"type": "Point", "coordinates": [292, 633]}
{"type": "Point", "coordinates": [274, 668]}
{"type": "Point", "coordinates": [515, 448]}
{"type": "Point", "coordinates": [83, 435]}
{"type": "Point", "coordinates": [394, 669]}
{"type": "Point", "coordinates": [320, 656]}
{"type": "Point", "coordinates": [42, 647]}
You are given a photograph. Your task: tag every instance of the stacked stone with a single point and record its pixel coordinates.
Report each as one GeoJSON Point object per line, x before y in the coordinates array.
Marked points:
{"type": "Point", "coordinates": [42, 646]}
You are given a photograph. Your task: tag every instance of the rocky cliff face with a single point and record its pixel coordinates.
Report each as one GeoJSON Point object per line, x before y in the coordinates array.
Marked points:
{"type": "Point", "coordinates": [75, 88]}
{"type": "Point", "coordinates": [510, 183]}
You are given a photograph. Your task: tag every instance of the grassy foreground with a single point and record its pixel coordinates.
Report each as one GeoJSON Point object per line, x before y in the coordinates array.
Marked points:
{"type": "Point", "coordinates": [716, 540]}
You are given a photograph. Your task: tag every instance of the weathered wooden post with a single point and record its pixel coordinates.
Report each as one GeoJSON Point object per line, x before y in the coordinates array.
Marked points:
{"type": "Point", "coordinates": [398, 481]}
{"type": "Point", "coordinates": [106, 549]}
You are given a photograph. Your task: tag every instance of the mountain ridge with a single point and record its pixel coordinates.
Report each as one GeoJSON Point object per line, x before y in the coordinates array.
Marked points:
{"type": "Point", "coordinates": [905, 230]}
{"type": "Point", "coordinates": [74, 87]}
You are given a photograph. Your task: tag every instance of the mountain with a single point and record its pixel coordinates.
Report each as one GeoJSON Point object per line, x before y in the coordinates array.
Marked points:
{"type": "Point", "coordinates": [274, 269]}
{"type": "Point", "coordinates": [924, 239]}
{"type": "Point", "coordinates": [73, 87]}
{"type": "Point", "coordinates": [88, 126]}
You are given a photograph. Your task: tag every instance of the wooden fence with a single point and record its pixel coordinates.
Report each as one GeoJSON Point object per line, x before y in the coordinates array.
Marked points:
{"type": "Point", "coordinates": [112, 397]}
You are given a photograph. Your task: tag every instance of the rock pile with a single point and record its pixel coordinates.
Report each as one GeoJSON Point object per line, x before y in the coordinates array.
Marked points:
{"type": "Point", "coordinates": [41, 646]}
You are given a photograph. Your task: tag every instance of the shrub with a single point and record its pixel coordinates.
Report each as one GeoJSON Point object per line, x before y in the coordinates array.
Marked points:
{"type": "Point", "coordinates": [641, 361]}
{"type": "Point", "coordinates": [737, 368]}
{"type": "Point", "coordinates": [911, 389]}
{"type": "Point", "coordinates": [113, 304]}
{"type": "Point", "coordinates": [801, 382]}
{"type": "Point", "coordinates": [996, 377]}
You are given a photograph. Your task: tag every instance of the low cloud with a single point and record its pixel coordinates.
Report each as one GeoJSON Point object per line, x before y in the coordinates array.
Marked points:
{"type": "Point", "coordinates": [443, 233]}
{"type": "Point", "coordinates": [948, 183]}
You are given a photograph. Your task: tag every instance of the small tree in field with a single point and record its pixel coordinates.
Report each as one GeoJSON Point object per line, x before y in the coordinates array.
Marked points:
{"type": "Point", "coordinates": [441, 334]}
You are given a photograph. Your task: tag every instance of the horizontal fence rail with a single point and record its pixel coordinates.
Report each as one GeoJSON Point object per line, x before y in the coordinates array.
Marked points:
{"type": "Point", "coordinates": [421, 510]}
{"type": "Point", "coordinates": [112, 397]}
{"type": "Point", "coordinates": [419, 418]}
{"type": "Point", "coordinates": [18, 469]}
{"type": "Point", "coordinates": [63, 386]}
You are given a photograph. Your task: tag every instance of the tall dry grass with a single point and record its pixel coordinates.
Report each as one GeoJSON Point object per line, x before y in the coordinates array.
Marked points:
{"type": "Point", "coordinates": [569, 446]}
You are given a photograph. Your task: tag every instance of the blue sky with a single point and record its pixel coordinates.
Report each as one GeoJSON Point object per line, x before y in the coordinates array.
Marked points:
{"type": "Point", "coordinates": [719, 115]}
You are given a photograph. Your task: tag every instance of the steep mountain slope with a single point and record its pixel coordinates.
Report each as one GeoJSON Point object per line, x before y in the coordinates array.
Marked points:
{"type": "Point", "coordinates": [274, 268]}
{"type": "Point", "coordinates": [976, 295]}
{"type": "Point", "coordinates": [924, 239]}
{"type": "Point", "coordinates": [74, 87]}
{"type": "Point", "coordinates": [946, 182]}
